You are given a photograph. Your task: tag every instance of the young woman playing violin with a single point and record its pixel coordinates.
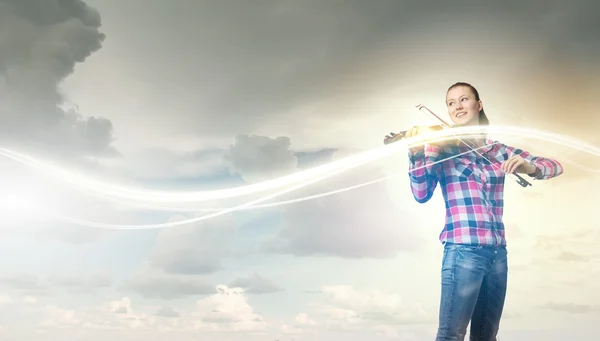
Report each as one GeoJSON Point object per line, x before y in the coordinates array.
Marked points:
{"type": "Point", "coordinates": [474, 264]}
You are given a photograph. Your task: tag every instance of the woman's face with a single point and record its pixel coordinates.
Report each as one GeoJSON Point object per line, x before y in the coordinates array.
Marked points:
{"type": "Point", "coordinates": [463, 108]}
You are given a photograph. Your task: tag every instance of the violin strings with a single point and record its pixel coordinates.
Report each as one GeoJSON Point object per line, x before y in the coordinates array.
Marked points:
{"type": "Point", "coordinates": [518, 178]}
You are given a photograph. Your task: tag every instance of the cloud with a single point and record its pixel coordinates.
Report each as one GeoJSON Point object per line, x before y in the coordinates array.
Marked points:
{"type": "Point", "coordinates": [361, 223]}
{"type": "Point", "coordinates": [43, 41]}
{"type": "Point", "coordinates": [575, 246]}
{"type": "Point", "coordinates": [255, 284]}
{"type": "Point", "coordinates": [26, 284]}
{"type": "Point", "coordinates": [30, 285]}
{"type": "Point", "coordinates": [323, 73]}
{"type": "Point", "coordinates": [21, 281]}
{"type": "Point", "coordinates": [194, 249]}
{"type": "Point", "coordinates": [167, 164]}
{"type": "Point", "coordinates": [345, 308]}
{"type": "Point", "coordinates": [157, 284]}
{"type": "Point", "coordinates": [364, 222]}
{"type": "Point", "coordinates": [569, 256]}
{"type": "Point", "coordinates": [166, 311]}
{"type": "Point", "coordinates": [229, 310]}
{"type": "Point", "coordinates": [83, 284]}
{"type": "Point", "coordinates": [226, 312]}
{"type": "Point", "coordinates": [347, 302]}
{"type": "Point", "coordinates": [47, 39]}
{"type": "Point", "coordinates": [113, 315]}
{"type": "Point", "coordinates": [260, 158]}
{"type": "Point", "coordinates": [573, 308]}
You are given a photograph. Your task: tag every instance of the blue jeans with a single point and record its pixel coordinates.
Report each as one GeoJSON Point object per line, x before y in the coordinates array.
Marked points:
{"type": "Point", "coordinates": [473, 289]}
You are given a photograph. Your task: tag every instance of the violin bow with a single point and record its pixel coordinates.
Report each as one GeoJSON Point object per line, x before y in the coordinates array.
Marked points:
{"type": "Point", "coordinates": [519, 179]}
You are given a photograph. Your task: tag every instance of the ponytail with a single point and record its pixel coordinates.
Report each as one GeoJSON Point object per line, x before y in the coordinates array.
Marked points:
{"type": "Point", "coordinates": [483, 119]}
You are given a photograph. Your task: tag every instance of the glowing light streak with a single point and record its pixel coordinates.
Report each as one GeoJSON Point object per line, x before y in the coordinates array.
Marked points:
{"type": "Point", "coordinates": [304, 178]}
{"type": "Point", "coordinates": [82, 182]}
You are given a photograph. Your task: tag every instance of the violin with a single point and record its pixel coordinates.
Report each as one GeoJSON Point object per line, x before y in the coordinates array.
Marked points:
{"type": "Point", "coordinates": [394, 137]}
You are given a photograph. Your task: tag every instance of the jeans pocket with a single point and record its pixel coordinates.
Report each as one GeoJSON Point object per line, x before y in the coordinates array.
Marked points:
{"type": "Point", "coordinates": [448, 265]}
{"type": "Point", "coordinates": [469, 248]}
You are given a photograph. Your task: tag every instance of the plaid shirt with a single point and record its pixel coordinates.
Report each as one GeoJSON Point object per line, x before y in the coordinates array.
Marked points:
{"type": "Point", "coordinates": [472, 188]}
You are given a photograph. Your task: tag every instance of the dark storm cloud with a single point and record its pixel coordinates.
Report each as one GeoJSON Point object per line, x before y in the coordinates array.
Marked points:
{"type": "Point", "coordinates": [237, 66]}
{"type": "Point", "coordinates": [40, 44]}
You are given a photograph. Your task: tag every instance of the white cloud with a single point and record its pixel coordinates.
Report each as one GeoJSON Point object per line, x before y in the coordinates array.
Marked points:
{"type": "Point", "coordinates": [349, 306]}
{"type": "Point", "coordinates": [228, 310]}
{"type": "Point", "coordinates": [224, 313]}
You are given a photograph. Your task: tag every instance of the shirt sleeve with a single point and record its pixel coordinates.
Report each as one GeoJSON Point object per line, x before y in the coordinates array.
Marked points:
{"type": "Point", "coordinates": [423, 172]}
{"type": "Point", "coordinates": [546, 168]}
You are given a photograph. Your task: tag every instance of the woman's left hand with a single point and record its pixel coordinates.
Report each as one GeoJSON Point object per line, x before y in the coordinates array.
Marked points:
{"type": "Point", "coordinates": [516, 164]}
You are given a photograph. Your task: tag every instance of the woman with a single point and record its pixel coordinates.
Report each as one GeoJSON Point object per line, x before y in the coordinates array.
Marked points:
{"type": "Point", "coordinates": [474, 265]}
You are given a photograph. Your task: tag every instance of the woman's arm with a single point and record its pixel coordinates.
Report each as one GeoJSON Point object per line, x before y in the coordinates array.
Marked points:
{"type": "Point", "coordinates": [423, 173]}
{"type": "Point", "coordinates": [539, 168]}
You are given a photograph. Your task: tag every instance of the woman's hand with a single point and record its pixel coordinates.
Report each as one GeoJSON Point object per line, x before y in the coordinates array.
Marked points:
{"type": "Point", "coordinates": [516, 164]}
{"type": "Point", "coordinates": [414, 131]}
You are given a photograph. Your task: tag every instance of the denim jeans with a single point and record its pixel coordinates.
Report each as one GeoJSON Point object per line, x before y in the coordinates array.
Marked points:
{"type": "Point", "coordinates": [473, 289]}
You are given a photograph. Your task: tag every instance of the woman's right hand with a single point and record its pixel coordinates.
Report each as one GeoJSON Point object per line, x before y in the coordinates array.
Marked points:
{"type": "Point", "coordinates": [415, 131]}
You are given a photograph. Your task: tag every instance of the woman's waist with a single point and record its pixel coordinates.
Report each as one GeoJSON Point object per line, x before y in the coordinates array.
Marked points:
{"type": "Point", "coordinates": [473, 224]}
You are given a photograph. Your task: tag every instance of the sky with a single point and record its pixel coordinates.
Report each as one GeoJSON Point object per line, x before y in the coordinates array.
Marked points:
{"type": "Point", "coordinates": [198, 96]}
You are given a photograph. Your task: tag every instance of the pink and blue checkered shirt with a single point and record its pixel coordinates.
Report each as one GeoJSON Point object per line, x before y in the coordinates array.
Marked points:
{"type": "Point", "coordinates": [473, 189]}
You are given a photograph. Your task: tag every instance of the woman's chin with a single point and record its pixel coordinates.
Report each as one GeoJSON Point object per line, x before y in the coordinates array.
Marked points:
{"type": "Point", "coordinates": [466, 123]}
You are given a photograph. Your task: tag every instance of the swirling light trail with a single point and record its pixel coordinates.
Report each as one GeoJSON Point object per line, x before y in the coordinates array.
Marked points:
{"type": "Point", "coordinates": [253, 204]}
{"type": "Point", "coordinates": [314, 175]}
{"type": "Point", "coordinates": [208, 216]}
{"type": "Point", "coordinates": [86, 183]}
